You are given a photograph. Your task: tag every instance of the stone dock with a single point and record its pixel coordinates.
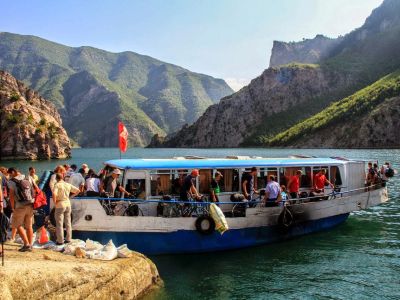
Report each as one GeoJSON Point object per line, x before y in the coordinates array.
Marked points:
{"type": "Point", "coordinates": [45, 274]}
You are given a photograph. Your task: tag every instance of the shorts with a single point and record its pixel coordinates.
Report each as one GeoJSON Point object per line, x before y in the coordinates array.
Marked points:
{"type": "Point", "coordinates": [22, 216]}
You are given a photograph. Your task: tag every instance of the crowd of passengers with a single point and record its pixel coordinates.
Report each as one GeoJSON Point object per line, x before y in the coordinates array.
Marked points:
{"type": "Point", "coordinates": [272, 195]}
{"type": "Point", "coordinates": [376, 176]}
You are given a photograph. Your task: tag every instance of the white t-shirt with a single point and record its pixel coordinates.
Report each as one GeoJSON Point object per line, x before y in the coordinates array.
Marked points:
{"type": "Point", "coordinates": [77, 180]}
{"type": "Point", "coordinates": [92, 184]}
{"type": "Point", "coordinates": [273, 189]}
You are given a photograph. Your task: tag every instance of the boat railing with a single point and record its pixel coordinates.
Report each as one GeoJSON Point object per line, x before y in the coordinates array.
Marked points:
{"type": "Point", "coordinates": [252, 203]}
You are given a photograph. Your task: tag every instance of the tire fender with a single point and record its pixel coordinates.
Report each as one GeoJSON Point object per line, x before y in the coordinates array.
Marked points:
{"type": "Point", "coordinates": [201, 225]}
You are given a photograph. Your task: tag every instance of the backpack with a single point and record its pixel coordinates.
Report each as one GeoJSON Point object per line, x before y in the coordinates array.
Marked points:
{"type": "Point", "coordinates": [4, 225]}
{"type": "Point", "coordinates": [389, 172]}
{"type": "Point", "coordinates": [24, 190]}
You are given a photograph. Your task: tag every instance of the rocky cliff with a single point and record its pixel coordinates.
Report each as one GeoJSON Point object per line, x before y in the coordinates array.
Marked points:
{"type": "Point", "coordinates": [307, 51]}
{"type": "Point", "coordinates": [31, 127]}
{"type": "Point", "coordinates": [93, 89]}
{"type": "Point", "coordinates": [285, 96]}
{"type": "Point", "coordinates": [264, 104]}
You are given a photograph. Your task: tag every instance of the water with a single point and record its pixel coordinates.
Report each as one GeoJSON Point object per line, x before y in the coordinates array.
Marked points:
{"type": "Point", "coordinates": [360, 259]}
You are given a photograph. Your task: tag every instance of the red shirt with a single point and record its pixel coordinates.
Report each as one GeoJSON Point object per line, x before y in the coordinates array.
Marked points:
{"type": "Point", "coordinates": [294, 184]}
{"type": "Point", "coordinates": [319, 181]}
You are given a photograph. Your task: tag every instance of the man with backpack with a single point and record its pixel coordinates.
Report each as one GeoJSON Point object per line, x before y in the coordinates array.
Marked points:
{"type": "Point", "coordinates": [386, 171]}
{"type": "Point", "coordinates": [22, 197]}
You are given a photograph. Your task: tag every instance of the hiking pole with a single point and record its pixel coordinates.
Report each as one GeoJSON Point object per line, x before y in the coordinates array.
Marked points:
{"type": "Point", "coordinates": [3, 234]}
{"type": "Point", "coordinates": [2, 253]}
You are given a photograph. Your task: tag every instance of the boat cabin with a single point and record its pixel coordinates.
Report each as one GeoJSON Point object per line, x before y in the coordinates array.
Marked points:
{"type": "Point", "coordinates": [151, 179]}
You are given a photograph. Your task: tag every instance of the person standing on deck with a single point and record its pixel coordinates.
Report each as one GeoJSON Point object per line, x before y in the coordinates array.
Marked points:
{"type": "Point", "coordinates": [272, 192]}
{"type": "Point", "coordinates": [294, 184]}
{"type": "Point", "coordinates": [320, 180]}
{"type": "Point", "coordinates": [248, 183]}
{"type": "Point", "coordinates": [78, 181]}
{"type": "Point", "coordinates": [112, 187]}
{"type": "Point", "coordinates": [189, 187]}
{"type": "Point", "coordinates": [215, 189]}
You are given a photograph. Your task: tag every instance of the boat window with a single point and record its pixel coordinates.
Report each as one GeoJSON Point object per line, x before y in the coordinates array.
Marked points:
{"type": "Point", "coordinates": [305, 177]}
{"type": "Point", "coordinates": [137, 187]}
{"type": "Point", "coordinates": [135, 183]}
{"type": "Point", "coordinates": [286, 173]}
{"type": "Point", "coordinates": [335, 177]}
{"type": "Point", "coordinates": [160, 182]}
{"type": "Point", "coordinates": [177, 179]}
{"type": "Point", "coordinates": [167, 182]}
{"type": "Point", "coordinates": [205, 177]}
{"type": "Point", "coordinates": [262, 176]}
{"type": "Point", "coordinates": [230, 180]}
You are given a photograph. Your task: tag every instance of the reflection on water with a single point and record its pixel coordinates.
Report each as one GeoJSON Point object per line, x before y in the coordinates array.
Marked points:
{"type": "Point", "coordinates": [357, 260]}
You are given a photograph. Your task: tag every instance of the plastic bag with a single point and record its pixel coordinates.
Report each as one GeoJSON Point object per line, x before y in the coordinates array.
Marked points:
{"type": "Point", "coordinates": [49, 245]}
{"type": "Point", "coordinates": [124, 251]}
{"type": "Point", "coordinates": [93, 245]}
{"type": "Point", "coordinates": [109, 252]}
{"type": "Point", "coordinates": [70, 248]}
{"type": "Point", "coordinates": [219, 218]}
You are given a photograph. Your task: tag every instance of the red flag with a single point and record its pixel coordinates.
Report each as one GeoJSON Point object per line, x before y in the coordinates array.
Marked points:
{"type": "Point", "coordinates": [123, 137]}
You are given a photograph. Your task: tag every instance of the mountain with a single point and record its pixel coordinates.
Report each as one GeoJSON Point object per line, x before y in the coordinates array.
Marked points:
{"type": "Point", "coordinates": [286, 95]}
{"type": "Point", "coordinates": [307, 51]}
{"type": "Point", "coordinates": [31, 127]}
{"type": "Point", "coordinates": [372, 114]}
{"type": "Point", "coordinates": [93, 89]}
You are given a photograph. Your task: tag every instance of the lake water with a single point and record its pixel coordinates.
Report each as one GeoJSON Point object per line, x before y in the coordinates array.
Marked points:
{"type": "Point", "coordinates": [359, 259]}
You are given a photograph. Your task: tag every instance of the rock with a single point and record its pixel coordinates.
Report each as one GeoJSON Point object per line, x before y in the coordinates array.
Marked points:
{"type": "Point", "coordinates": [306, 51]}
{"type": "Point", "coordinates": [156, 141]}
{"type": "Point", "coordinates": [31, 127]}
{"type": "Point", "coordinates": [46, 257]}
{"type": "Point", "coordinates": [31, 276]}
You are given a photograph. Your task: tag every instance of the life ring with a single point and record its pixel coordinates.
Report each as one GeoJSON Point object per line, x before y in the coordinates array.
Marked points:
{"type": "Point", "coordinates": [205, 225]}
{"type": "Point", "coordinates": [52, 217]}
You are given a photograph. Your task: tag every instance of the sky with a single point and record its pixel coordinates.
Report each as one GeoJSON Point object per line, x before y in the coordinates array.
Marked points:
{"type": "Point", "coordinates": [229, 39]}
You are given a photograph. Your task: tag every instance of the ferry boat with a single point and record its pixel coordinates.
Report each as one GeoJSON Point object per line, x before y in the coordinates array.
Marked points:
{"type": "Point", "coordinates": [154, 223]}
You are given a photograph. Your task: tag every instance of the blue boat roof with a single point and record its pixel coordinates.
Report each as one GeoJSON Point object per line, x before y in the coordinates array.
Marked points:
{"type": "Point", "coordinates": [214, 163]}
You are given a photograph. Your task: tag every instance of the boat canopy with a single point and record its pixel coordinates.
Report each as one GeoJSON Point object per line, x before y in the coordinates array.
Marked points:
{"type": "Point", "coordinates": [215, 163]}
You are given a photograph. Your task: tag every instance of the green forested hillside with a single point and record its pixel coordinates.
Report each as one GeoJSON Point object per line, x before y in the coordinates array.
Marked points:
{"type": "Point", "coordinates": [93, 89]}
{"type": "Point", "coordinates": [346, 110]}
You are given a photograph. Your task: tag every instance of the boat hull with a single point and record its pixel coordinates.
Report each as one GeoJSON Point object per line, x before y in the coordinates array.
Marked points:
{"type": "Point", "coordinates": [191, 241]}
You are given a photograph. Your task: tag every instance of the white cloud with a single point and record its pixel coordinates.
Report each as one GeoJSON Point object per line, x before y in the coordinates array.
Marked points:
{"type": "Point", "coordinates": [237, 83]}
